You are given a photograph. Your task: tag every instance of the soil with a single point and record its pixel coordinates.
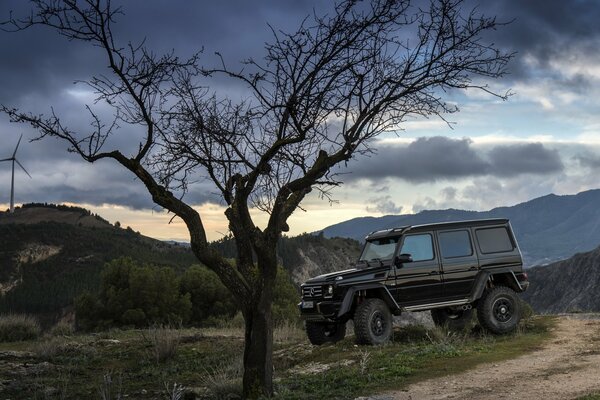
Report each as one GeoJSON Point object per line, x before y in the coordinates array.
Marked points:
{"type": "Point", "coordinates": [566, 368]}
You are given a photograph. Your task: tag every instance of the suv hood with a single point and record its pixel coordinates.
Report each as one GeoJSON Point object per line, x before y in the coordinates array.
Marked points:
{"type": "Point", "coordinates": [344, 276]}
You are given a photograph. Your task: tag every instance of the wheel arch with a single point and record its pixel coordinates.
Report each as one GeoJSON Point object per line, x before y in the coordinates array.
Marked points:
{"type": "Point", "coordinates": [372, 290]}
{"type": "Point", "coordinates": [489, 279]}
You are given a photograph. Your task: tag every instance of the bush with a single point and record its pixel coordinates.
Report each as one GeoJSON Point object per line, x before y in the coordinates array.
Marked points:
{"type": "Point", "coordinates": [133, 295]}
{"type": "Point", "coordinates": [17, 327]}
{"type": "Point", "coordinates": [62, 329]}
{"type": "Point", "coordinates": [211, 301]}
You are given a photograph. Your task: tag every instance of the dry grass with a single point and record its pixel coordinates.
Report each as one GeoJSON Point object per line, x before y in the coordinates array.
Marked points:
{"type": "Point", "coordinates": [288, 331]}
{"type": "Point", "coordinates": [18, 327]}
{"type": "Point", "coordinates": [110, 388]}
{"type": "Point", "coordinates": [224, 381]}
{"type": "Point", "coordinates": [164, 341]}
{"type": "Point", "coordinates": [62, 329]}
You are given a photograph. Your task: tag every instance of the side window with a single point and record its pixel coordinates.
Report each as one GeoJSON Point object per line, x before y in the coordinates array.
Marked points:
{"type": "Point", "coordinates": [455, 244]}
{"type": "Point", "coordinates": [494, 240]}
{"type": "Point", "coordinates": [419, 246]}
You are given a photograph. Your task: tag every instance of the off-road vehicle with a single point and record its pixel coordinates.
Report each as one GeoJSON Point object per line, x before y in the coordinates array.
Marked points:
{"type": "Point", "coordinates": [448, 268]}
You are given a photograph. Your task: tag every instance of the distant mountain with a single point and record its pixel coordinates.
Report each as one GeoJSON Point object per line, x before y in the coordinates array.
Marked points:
{"type": "Point", "coordinates": [566, 286]}
{"type": "Point", "coordinates": [548, 228]}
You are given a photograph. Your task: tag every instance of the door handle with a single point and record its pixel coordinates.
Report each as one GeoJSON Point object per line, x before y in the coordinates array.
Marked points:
{"type": "Point", "coordinates": [473, 269]}
{"type": "Point", "coordinates": [433, 273]}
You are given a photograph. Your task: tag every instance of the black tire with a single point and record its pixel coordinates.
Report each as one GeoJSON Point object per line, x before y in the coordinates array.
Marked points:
{"type": "Point", "coordinates": [373, 322]}
{"type": "Point", "coordinates": [499, 310]}
{"type": "Point", "coordinates": [323, 332]}
{"type": "Point", "coordinates": [456, 320]}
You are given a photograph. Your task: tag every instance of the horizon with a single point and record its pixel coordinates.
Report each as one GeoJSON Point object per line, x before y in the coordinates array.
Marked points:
{"type": "Point", "coordinates": [544, 139]}
{"type": "Point", "coordinates": [147, 227]}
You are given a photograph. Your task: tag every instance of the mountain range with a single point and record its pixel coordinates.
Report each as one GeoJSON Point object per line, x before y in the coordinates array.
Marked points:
{"type": "Point", "coordinates": [548, 228]}
{"type": "Point", "coordinates": [566, 286]}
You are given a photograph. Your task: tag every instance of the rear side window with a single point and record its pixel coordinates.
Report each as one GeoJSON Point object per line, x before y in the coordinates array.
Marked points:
{"type": "Point", "coordinates": [494, 240]}
{"type": "Point", "coordinates": [455, 244]}
{"type": "Point", "coordinates": [420, 247]}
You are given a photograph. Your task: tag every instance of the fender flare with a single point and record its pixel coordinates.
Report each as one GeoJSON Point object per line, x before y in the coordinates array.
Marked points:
{"type": "Point", "coordinates": [384, 293]}
{"type": "Point", "coordinates": [483, 278]}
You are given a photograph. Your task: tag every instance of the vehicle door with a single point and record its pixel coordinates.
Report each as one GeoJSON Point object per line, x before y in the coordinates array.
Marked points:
{"type": "Point", "coordinates": [419, 281]}
{"type": "Point", "coordinates": [459, 262]}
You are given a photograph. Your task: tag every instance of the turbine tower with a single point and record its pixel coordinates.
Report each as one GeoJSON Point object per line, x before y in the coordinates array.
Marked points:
{"type": "Point", "coordinates": [12, 182]}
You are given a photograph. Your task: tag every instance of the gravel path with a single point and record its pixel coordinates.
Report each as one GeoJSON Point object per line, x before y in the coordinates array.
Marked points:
{"type": "Point", "coordinates": [566, 368]}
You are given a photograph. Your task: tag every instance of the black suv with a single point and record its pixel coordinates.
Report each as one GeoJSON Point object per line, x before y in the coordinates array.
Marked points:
{"type": "Point", "coordinates": [448, 268]}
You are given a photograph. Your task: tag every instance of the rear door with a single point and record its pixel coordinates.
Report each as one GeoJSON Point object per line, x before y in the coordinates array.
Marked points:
{"type": "Point", "coordinates": [459, 262]}
{"type": "Point", "coordinates": [419, 281]}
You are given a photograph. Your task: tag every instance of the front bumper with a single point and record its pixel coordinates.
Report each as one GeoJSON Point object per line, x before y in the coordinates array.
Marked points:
{"type": "Point", "coordinates": [319, 309]}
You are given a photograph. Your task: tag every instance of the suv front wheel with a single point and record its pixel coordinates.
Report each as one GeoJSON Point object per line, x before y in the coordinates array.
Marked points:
{"type": "Point", "coordinates": [322, 332]}
{"type": "Point", "coordinates": [372, 322]}
{"type": "Point", "coordinates": [499, 310]}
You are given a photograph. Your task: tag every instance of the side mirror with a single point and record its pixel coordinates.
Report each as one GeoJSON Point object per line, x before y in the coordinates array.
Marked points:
{"type": "Point", "coordinates": [401, 259]}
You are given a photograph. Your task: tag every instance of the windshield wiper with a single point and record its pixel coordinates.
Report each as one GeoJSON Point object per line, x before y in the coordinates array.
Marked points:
{"type": "Point", "coordinates": [377, 259]}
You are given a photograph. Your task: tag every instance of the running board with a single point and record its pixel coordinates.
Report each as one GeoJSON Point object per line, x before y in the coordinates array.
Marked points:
{"type": "Point", "coordinates": [437, 305]}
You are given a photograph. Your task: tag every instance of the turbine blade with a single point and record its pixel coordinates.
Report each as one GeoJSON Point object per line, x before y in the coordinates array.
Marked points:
{"type": "Point", "coordinates": [22, 167]}
{"type": "Point", "coordinates": [6, 159]}
{"type": "Point", "coordinates": [17, 148]}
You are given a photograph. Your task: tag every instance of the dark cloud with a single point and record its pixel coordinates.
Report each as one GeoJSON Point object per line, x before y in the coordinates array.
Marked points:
{"type": "Point", "coordinates": [383, 205]}
{"type": "Point", "coordinates": [588, 160]}
{"type": "Point", "coordinates": [532, 158]}
{"type": "Point", "coordinates": [429, 159]}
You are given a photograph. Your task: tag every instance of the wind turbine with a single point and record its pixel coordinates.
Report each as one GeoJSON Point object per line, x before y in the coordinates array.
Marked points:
{"type": "Point", "coordinates": [12, 182]}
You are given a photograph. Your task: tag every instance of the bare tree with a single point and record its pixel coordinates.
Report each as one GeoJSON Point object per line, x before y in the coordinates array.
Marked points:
{"type": "Point", "coordinates": [318, 98]}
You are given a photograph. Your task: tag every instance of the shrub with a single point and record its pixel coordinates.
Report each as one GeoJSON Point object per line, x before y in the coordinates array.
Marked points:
{"type": "Point", "coordinates": [62, 329]}
{"type": "Point", "coordinates": [211, 301]}
{"type": "Point", "coordinates": [134, 295]}
{"type": "Point", "coordinates": [17, 327]}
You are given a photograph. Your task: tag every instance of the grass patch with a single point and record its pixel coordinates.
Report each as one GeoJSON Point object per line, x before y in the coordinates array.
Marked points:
{"type": "Point", "coordinates": [415, 354]}
{"type": "Point", "coordinates": [207, 363]}
{"type": "Point", "coordinates": [592, 396]}
{"type": "Point", "coordinates": [18, 327]}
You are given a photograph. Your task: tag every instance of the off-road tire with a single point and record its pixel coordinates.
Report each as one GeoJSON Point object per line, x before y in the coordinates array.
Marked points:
{"type": "Point", "coordinates": [455, 320]}
{"type": "Point", "coordinates": [499, 310]}
{"type": "Point", "coordinates": [323, 332]}
{"type": "Point", "coordinates": [373, 322]}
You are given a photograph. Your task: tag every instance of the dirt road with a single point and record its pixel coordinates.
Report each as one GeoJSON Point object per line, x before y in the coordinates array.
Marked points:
{"type": "Point", "coordinates": [566, 368]}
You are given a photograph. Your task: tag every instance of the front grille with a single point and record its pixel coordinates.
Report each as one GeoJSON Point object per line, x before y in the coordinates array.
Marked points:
{"type": "Point", "coordinates": [309, 292]}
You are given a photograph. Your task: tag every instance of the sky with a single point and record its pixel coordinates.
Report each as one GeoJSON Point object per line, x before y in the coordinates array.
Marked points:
{"type": "Point", "coordinates": [544, 139]}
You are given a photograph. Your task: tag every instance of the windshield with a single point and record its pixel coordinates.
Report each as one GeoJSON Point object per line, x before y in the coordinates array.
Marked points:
{"type": "Point", "coordinates": [379, 249]}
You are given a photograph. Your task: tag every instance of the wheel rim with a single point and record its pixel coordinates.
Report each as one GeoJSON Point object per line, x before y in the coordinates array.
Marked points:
{"type": "Point", "coordinates": [378, 323]}
{"type": "Point", "coordinates": [503, 309]}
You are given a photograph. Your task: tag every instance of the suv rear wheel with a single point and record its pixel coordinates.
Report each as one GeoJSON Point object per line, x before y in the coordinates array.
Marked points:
{"type": "Point", "coordinates": [456, 320]}
{"type": "Point", "coordinates": [372, 322]}
{"type": "Point", "coordinates": [322, 332]}
{"type": "Point", "coordinates": [499, 310]}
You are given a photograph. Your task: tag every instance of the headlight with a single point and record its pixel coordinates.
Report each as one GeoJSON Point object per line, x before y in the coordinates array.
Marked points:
{"type": "Point", "coordinates": [329, 291]}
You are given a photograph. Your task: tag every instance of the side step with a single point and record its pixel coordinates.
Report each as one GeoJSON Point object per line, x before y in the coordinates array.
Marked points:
{"type": "Point", "coordinates": [430, 306]}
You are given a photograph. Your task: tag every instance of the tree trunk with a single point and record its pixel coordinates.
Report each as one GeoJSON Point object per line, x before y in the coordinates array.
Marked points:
{"type": "Point", "coordinates": [258, 351]}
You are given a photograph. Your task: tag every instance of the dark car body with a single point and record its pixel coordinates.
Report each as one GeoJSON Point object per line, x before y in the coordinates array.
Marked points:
{"type": "Point", "coordinates": [424, 267]}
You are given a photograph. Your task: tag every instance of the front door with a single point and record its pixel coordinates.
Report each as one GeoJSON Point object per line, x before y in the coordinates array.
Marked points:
{"type": "Point", "coordinates": [419, 281]}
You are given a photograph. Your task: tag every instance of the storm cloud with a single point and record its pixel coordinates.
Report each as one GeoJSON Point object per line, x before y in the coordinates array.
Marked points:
{"type": "Point", "coordinates": [429, 159]}
{"type": "Point", "coordinates": [39, 68]}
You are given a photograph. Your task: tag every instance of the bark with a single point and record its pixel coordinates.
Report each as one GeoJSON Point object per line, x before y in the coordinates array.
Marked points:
{"type": "Point", "coordinates": [258, 351]}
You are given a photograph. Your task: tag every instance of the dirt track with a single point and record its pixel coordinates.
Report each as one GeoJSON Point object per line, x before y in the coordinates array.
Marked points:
{"type": "Point", "coordinates": [566, 368]}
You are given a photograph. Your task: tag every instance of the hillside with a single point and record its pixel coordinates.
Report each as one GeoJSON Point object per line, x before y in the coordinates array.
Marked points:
{"type": "Point", "coordinates": [566, 286]}
{"type": "Point", "coordinates": [548, 228]}
{"type": "Point", "coordinates": [49, 254]}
